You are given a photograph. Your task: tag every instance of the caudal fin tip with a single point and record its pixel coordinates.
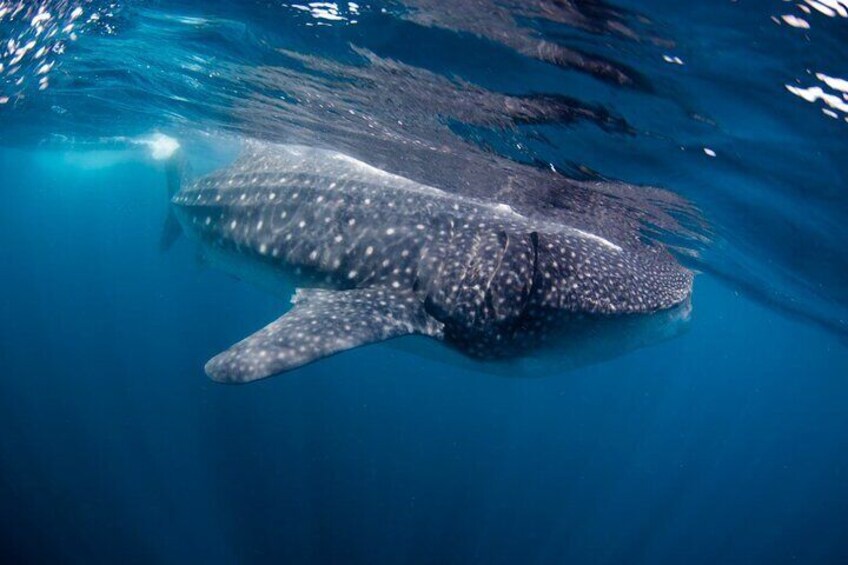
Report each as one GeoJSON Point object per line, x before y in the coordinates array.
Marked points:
{"type": "Point", "coordinates": [171, 232]}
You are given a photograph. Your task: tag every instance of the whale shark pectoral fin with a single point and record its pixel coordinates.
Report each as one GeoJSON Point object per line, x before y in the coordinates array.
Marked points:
{"type": "Point", "coordinates": [321, 323]}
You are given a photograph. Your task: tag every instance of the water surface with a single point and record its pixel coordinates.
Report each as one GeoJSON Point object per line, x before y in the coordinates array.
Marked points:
{"type": "Point", "coordinates": [718, 128]}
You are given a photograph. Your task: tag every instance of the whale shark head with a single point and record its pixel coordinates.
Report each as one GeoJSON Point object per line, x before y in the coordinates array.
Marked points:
{"type": "Point", "coordinates": [516, 288]}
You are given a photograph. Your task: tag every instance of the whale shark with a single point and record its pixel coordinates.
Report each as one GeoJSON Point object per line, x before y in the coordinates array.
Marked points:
{"type": "Point", "coordinates": [373, 256]}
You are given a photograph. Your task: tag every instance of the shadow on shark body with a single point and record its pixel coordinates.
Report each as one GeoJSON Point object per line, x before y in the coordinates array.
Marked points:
{"type": "Point", "coordinates": [577, 343]}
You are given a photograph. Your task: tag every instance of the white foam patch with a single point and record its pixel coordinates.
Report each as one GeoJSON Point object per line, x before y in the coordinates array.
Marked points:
{"type": "Point", "coordinates": [834, 83]}
{"type": "Point", "coordinates": [833, 92]}
{"type": "Point", "coordinates": [821, 8]}
{"type": "Point", "coordinates": [330, 12]}
{"type": "Point", "coordinates": [33, 38]}
{"type": "Point", "coordinates": [795, 21]}
{"type": "Point", "coordinates": [815, 93]}
{"type": "Point", "coordinates": [829, 8]}
{"type": "Point", "coordinates": [161, 146]}
{"type": "Point", "coordinates": [673, 60]}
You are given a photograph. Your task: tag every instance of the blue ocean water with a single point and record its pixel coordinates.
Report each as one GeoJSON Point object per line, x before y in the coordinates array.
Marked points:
{"type": "Point", "coordinates": [723, 442]}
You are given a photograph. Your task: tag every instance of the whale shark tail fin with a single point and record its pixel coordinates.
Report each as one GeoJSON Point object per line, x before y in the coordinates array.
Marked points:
{"type": "Point", "coordinates": [321, 323]}
{"type": "Point", "coordinates": [174, 174]}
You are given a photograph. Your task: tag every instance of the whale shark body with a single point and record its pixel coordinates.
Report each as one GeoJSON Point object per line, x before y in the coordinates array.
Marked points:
{"type": "Point", "coordinates": [376, 256]}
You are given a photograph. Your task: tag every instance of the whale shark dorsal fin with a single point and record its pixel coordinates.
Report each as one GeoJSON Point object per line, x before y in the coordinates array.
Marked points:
{"type": "Point", "coordinates": [321, 323]}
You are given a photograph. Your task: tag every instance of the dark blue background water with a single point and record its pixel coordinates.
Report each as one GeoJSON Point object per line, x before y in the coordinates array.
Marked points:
{"type": "Point", "coordinates": [725, 444]}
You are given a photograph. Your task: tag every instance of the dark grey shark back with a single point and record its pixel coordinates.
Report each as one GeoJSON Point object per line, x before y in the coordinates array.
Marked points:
{"type": "Point", "coordinates": [396, 257]}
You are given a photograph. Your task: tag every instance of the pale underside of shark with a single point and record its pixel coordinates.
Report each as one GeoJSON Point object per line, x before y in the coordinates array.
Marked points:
{"type": "Point", "coordinates": [379, 256]}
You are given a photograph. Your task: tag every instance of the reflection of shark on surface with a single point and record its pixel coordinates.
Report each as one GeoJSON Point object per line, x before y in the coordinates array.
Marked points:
{"type": "Point", "coordinates": [383, 256]}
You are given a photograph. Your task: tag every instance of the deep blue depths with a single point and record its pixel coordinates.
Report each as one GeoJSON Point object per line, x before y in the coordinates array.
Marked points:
{"type": "Point", "coordinates": [726, 444]}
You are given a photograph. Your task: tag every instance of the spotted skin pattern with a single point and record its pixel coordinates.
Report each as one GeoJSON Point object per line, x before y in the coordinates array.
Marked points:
{"type": "Point", "coordinates": [392, 257]}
